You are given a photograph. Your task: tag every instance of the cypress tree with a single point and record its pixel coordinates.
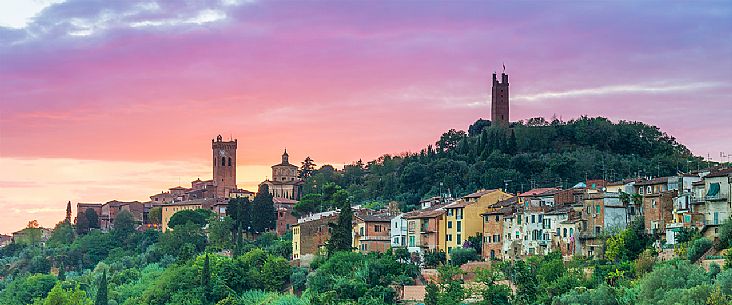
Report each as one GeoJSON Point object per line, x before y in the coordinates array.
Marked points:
{"type": "Point", "coordinates": [206, 281]}
{"type": "Point", "coordinates": [512, 146]}
{"type": "Point", "coordinates": [341, 238]}
{"type": "Point", "coordinates": [68, 212]}
{"type": "Point", "coordinates": [61, 272]}
{"type": "Point", "coordinates": [263, 211]}
{"type": "Point", "coordinates": [102, 290]}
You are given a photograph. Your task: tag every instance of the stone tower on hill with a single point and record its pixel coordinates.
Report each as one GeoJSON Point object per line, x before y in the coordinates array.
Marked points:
{"type": "Point", "coordinates": [224, 166]}
{"type": "Point", "coordinates": [499, 101]}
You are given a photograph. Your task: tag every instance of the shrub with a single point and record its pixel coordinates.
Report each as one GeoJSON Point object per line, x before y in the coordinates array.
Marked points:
{"type": "Point", "coordinates": [698, 248]}
{"type": "Point", "coordinates": [461, 256]}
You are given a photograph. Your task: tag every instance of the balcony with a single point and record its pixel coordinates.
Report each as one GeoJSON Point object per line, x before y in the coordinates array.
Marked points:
{"type": "Point", "coordinates": [375, 238]}
{"type": "Point", "coordinates": [717, 197]}
{"type": "Point", "coordinates": [697, 200]}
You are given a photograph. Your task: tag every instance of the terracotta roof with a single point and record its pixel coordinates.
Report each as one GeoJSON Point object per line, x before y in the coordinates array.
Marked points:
{"type": "Point", "coordinates": [460, 203]}
{"type": "Point", "coordinates": [479, 193]}
{"type": "Point", "coordinates": [504, 211]}
{"type": "Point", "coordinates": [507, 202]}
{"type": "Point", "coordinates": [659, 180]}
{"type": "Point", "coordinates": [426, 213]}
{"type": "Point", "coordinates": [624, 181]}
{"type": "Point", "coordinates": [559, 211]}
{"type": "Point", "coordinates": [720, 173]}
{"type": "Point", "coordinates": [377, 218]}
{"type": "Point", "coordinates": [285, 164]}
{"type": "Point", "coordinates": [177, 188]}
{"type": "Point", "coordinates": [538, 191]}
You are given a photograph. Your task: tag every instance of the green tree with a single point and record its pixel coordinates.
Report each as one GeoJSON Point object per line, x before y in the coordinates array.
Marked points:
{"type": "Point", "coordinates": [220, 232]}
{"type": "Point", "coordinates": [60, 296]}
{"type": "Point", "coordinates": [61, 272]}
{"type": "Point", "coordinates": [188, 216]}
{"type": "Point", "coordinates": [62, 235]}
{"type": "Point", "coordinates": [434, 258]}
{"type": "Point", "coordinates": [491, 292]}
{"type": "Point", "coordinates": [276, 272]}
{"type": "Point", "coordinates": [725, 234]}
{"type": "Point", "coordinates": [23, 290]}
{"type": "Point", "coordinates": [431, 294]}
{"type": "Point", "coordinates": [68, 212]}
{"type": "Point", "coordinates": [264, 215]}
{"type": "Point", "coordinates": [102, 290]}
{"type": "Point", "coordinates": [341, 238]}
{"type": "Point", "coordinates": [698, 248]}
{"type": "Point", "coordinates": [460, 256]}
{"type": "Point", "coordinates": [123, 225]}
{"type": "Point", "coordinates": [92, 218]}
{"type": "Point", "coordinates": [155, 215]}
{"type": "Point", "coordinates": [206, 281]}
{"type": "Point", "coordinates": [307, 168]}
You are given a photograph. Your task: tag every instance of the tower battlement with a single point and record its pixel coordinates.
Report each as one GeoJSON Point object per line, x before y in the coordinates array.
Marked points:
{"type": "Point", "coordinates": [500, 100]}
{"type": "Point", "coordinates": [224, 165]}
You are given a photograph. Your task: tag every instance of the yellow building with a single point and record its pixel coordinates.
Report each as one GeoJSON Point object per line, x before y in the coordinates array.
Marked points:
{"type": "Point", "coordinates": [463, 218]}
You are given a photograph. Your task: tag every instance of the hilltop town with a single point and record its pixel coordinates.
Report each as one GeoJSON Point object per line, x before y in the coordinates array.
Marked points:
{"type": "Point", "coordinates": [310, 216]}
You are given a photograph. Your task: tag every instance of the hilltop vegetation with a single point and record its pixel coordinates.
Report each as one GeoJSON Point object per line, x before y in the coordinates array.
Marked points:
{"type": "Point", "coordinates": [533, 153]}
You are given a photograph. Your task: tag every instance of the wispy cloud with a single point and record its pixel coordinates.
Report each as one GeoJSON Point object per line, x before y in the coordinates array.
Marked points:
{"type": "Point", "coordinates": [651, 88]}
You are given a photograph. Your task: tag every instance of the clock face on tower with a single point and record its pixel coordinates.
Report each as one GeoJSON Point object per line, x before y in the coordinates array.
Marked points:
{"type": "Point", "coordinates": [222, 153]}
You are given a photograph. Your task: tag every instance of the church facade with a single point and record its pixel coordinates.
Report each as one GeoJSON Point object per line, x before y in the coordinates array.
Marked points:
{"type": "Point", "coordinates": [285, 182]}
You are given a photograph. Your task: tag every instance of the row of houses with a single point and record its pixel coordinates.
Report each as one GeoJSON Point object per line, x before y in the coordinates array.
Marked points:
{"type": "Point", "coordinates": [575, 221]}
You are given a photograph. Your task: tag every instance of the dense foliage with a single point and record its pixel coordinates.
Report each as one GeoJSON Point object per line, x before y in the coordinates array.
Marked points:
{"type": "Point", "coordinates": [533, 153]}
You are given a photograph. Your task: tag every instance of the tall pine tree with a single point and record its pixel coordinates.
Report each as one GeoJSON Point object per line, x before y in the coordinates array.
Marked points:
{"type": "Point", "coordinates": [341, 238]}
{"type": "Point", "coordinates": [206, 281]}
{"type": "Point", "coordinates": [102, 290]}
{"type": "Point", "coordinates": [264, 214]}
{"type": "Point", "coordinates": [68, 212]}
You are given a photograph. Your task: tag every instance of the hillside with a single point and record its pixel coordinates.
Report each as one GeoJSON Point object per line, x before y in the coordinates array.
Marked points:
{"type": "Point", "coordinates": [533, 153]}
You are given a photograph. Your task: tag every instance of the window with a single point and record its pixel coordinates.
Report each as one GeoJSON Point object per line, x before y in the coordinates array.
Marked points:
{"type": "Point", "coordinates": [517, 235]}
{"type": "Point", "coordinates": [223, 161]}
{"type": "Point", "coordinates": [597, 209]}
{"type": "Point", "coordinates": [449, 224]}
{"type": "Point", "coordinates": [360, 231]}
{"type": "Point", "coordinates": [571, 231]}
{"type": "Point", "coordinates": [597, 230]}
{"type": "Point", "coordinates": [449, 212]}
{"type": "Point", "coordinates": [533, 218]}
{"type": "Point", "coordinates": [488, 239]}
{"type": "Point", "coordinates": [565, 232]}
{"type": "Point", "coordinates": [459, 239]}
{"type": "Point", "coordinates": [518, 220]}
{"type": "Point", "coordinates": [229, 161]}
{"type": "Point", "coordinates": [411, 241]}
{"type": "Point", "coordinates": [653, 203]}
{"type": "Point", "coordinates": [448, 237]}
{"type": "Point", "coordinates": [541, 218]}
{"type": "Point", "coordinates": [497, 238]}
{"type": "Point", "coordinates": [377, 228]}
{"type": "Point", "coordinates": [649, 190]}
{"type": "Point", "coordinates": [459, 227]}
{"type": "Point", "coordinates": [498, 218]}
{"type": "Point", "coordinates": [559, 231]}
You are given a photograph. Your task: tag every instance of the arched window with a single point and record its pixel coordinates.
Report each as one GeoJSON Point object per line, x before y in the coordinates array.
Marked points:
{"type": "Point", "coordinates": [229, 161]}
{"type": "Point", "coordinates": [223, 161]}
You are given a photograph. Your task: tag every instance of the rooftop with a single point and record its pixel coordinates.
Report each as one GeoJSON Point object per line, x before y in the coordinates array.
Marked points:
{"type": "Point", "coordinates": [539, 191]}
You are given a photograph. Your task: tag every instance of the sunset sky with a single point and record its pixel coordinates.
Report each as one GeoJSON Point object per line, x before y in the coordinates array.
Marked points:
{"type": "Point", "coordinates": [103, 100]}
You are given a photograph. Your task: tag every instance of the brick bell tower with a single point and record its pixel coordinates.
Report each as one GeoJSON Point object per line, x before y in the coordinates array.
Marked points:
{"type": "Point", "coordinates": [224, 166]}
{"type": "Point", "coordinates": [499, 100]}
